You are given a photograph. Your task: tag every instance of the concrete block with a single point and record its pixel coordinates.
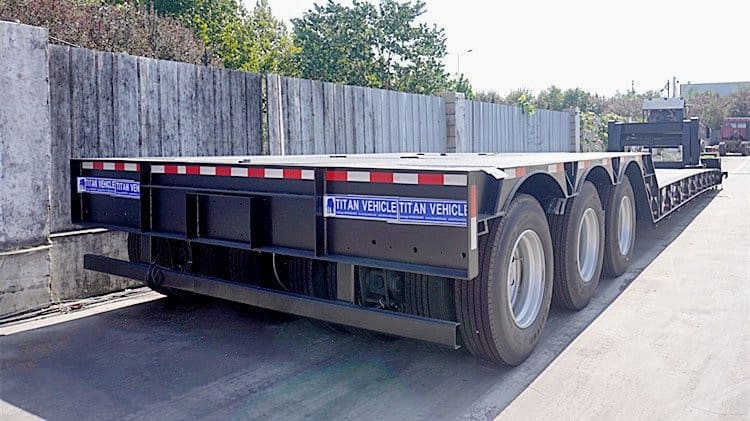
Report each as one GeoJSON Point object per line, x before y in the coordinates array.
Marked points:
{"type": "Point", "coordinates": [25, 137]}
{"type": "Point", "coordinates": [69, 280]}
{"type": "Point", "coordinates": [24, 280]}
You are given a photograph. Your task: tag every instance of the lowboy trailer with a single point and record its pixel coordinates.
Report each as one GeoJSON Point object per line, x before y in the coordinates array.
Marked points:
{"type": "Point", "coordinates": [455, 249]}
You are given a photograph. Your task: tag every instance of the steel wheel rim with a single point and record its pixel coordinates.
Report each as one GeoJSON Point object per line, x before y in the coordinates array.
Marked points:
{"type": "Point", "coordinates": [588, 244]}
{"type": "Point", "coordinates": [626, 225]}
{"type": "Point", "coordinates": [526, 275]}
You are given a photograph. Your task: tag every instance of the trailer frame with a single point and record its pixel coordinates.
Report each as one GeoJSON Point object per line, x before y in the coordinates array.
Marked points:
{"type": "Point", "coordinates": [282, 206]}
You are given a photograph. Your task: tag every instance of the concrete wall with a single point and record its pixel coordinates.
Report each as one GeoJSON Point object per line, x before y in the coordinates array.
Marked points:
{"type": "Point", "coordinates": [313, 117]}
{"type": "Point", "coordinates": [24, 168]}
{"type": "Point", "coordinates": [25, 135]}
{"type": "Point", "coordinates": [24, 279]}
{"type": "Point", "coordinates": [68, 279]}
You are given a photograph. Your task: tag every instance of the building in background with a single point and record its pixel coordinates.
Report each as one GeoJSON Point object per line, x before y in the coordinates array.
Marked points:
{"type": "Point", "coordinates": [721, 88]}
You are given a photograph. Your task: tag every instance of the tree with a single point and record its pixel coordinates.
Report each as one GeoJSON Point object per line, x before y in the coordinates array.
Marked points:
{"type": "Point", "coordinates": [124, 27]}
{"type": "Point", "coordinates": [378, 46]}
{"type": "Point", "coordinates": [516, 94]}
{"type": "Point", "coordinates": [493, 97]}
{"type": "Point", "coordinates": [269, 46]}
{"type": "Point", "coordinates": [550, 98]}
{"type": "Point", "coordinates": [578, 98]}
{"type": "Point", "coordinates": [251, 41]}
{"type": "Point", "coordinates": [628, 106]}
{"type": "Point", "coordinates": [462, 85]}
{"type": "Point", "coordinates": [554, 98]}
{"type": "Point", "coordinates": [709, 107]}
{"type": "Point", "coordinates": [738, 104]}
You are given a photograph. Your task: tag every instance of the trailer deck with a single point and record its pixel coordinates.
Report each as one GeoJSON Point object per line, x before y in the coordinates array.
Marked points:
{"type": "Point", "coordinates": [666, 176]}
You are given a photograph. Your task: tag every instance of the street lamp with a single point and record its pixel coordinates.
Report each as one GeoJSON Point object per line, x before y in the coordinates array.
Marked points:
{"type": "Point", "coordinates": [458, 60]}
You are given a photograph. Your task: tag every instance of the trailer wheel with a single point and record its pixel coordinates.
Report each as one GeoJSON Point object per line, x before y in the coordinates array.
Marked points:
{"type": "Point", "coordinates": [619, 238]}
{"type": "Point", "coordinates": [429, 296]}
{"type": "Point", "coordinates": [316, 279]}
{"type": "Point", "coordinates": [578, 238]}
{"type": "Point", "coordinates": [503, 311]}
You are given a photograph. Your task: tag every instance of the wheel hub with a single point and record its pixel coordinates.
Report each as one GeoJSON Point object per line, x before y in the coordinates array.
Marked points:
{"type": "Point", "coordinates": [626, 225]}
{"type": "Point", "coordinates": [588, 244]}
{"type": "Point", "coordinates": [526, 274]}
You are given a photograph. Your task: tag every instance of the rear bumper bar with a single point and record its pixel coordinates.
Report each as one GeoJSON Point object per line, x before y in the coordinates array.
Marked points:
{"type": "Point", "coordinates": [430, 330]}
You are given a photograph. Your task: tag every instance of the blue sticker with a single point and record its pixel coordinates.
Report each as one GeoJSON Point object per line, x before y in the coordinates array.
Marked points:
{"type": "Point", "coordinates": [114, 187]}
{"type": "Point", "coordinates": [397, 209]}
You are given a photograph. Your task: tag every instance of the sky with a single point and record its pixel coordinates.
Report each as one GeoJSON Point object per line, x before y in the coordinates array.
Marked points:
{"type": "Point", "coordinates": [599, 46]}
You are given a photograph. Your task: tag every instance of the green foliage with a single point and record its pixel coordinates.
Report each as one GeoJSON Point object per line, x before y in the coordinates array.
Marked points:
{"type": "Point", "coordinates": [492, 97]}
{"type": "Point", "coordinates": [554, 98]}
{"type": "Point", "coordinates": [712, 109]}
{"type": "Point", "coordinates": [594, 133]}
{"type": "Point", "coordinates": [252, 41]}
{"type": "Point", "coordinates": [463, 86]}
{"type": "Point", "coordinates": [381, 46]}
{"type": "Point", "coordinates": [709, 107]}
{"type": "Point", "coordinates": [525, 104]}
{"type": "Point", "coordinates": [119, 28]}
{"type": "Point", "coordinates": [550, 98]}
{"type": "Point", "coordinates": [738, 104]}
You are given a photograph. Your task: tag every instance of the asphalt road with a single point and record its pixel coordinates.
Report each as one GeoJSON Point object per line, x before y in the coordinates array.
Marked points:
{"type": "Point", "coordinates": [672, 330]}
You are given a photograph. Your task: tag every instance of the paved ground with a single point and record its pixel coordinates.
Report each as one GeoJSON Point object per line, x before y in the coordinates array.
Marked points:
{"type": "Point", "coordinates": [668, 339]}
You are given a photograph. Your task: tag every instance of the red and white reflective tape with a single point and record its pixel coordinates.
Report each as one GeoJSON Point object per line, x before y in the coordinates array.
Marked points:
{"type": "Point", "coordinates": [111, 166]}
{"type": "Point", "coordinates": [515, 172]}
{"type": "Point", "coordinates": [247, 172]}
{"type": "Point", "coordinates": [555, 168]}
{"type": "Point", "coordinates": [588, 164]}
{"type": "Point", "coordinates": [387, 177]}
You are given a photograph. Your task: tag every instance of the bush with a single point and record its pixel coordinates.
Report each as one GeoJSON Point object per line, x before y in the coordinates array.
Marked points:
{"type": "Point", "coordinates": [122, 28]}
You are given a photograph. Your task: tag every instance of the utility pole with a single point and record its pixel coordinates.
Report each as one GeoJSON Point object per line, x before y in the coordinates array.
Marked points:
{"type": "Point", "coordinates": [458, 60]}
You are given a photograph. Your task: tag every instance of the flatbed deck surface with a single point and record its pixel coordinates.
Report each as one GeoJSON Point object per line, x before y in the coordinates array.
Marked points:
{"type": "Point", "coordinates": [665, 177]}
{"type": "Point", "coordinates": [406, 161]}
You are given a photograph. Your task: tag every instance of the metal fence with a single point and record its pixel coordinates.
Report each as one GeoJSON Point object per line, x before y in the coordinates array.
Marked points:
{"type": "Point", "coordinates": [505, 128]}
{"type": "Point", "coordinates": [312, 117]}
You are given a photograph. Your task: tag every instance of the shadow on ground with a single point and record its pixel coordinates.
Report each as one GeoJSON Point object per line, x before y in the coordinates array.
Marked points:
{"type": "Point", "coordinates": [158, 360]}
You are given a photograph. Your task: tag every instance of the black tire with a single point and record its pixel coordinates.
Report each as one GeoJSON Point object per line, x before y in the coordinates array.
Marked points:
{"type": "Point", "coordinates": [571, 290]}
{"type": "Point", "coordinates": [316, 279]}
{"type": "Point", "coordinates": [429, 296]}
{"type": "Point", "coordinates": [134, 248]}
{"type": "Point", "coordinates": [488, 329]}
{"type": "Point", "coordinates": [616, 262]}
{"type": "Point", "coordinates": [298, 273]}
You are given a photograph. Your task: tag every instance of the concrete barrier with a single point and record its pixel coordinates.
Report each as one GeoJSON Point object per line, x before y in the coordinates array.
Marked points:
{"type": "Point", "coordinates": [24, 280]}
{"type": "Point", "coordinates": [68, 279]}
{"type": "Point", "coordinates": [25, 143]}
